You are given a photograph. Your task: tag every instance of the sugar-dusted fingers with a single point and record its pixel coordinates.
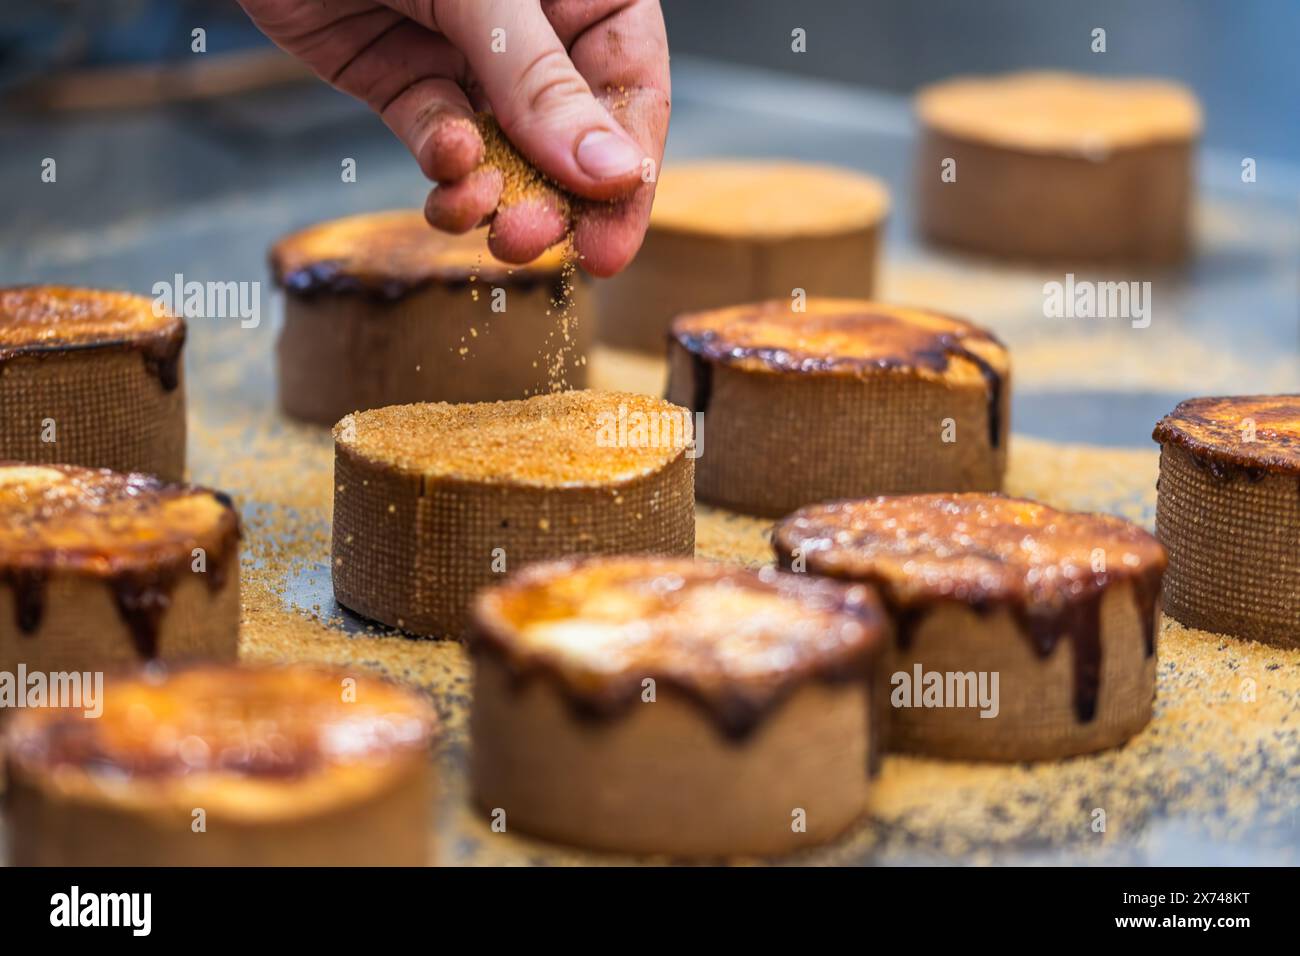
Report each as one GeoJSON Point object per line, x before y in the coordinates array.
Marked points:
{"type": "Point", "coordinates": [542, 97]}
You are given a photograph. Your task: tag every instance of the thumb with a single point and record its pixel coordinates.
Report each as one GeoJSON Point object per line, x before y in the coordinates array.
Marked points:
{"type": "Point", "coordinates": [540, 99]}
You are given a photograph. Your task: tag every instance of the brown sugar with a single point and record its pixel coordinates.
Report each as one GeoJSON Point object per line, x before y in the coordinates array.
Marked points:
{"type": "Point", "coordinates": [563, 439]}
{"type": "Point", "coordinates": [520, 180]}
{"type": "Point", "coordinates": [565, 353]}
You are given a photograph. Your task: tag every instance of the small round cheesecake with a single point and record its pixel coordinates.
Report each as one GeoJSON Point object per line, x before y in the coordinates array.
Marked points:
{"type": "Point", "coordinates": [381, 309]}
{"type": "Point", "coordinates": [729, 231]}
{"type": "Point", "coordinates": [225, 766]}
{"type": "Point", "coordinates": [847, 398]}
{"type": "Point", "coordinates": [99, 569]}
{"type": "Point", "coordinates": [1055, 166]}
{"type": "Point", "coordinates": [1021, 632]}
{"type": "Point", "coordinates": [91, 378]}
{"type": "Point", "coordinates": [433, 501]}
{"type": "Point", "coordinates": [1228, 511]}
{"type": "Point", "coordinates": [654, 705]}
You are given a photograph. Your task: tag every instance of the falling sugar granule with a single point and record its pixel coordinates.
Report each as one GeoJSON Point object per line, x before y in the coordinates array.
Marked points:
{"type": "Point", "coordinates": [522, 181]}
{"type": "Point", "coordinates": [557, 360]}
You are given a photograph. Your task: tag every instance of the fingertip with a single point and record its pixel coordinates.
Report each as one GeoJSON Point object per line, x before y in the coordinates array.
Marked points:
{"type": "Point", "coordinates": [453, 147]}
{"type": "Point", "coordinates": [523, 231]}
{"type": "Point", "coordinates": [606, 238]}
{"type": "Point", "coordinates": [460, 206]}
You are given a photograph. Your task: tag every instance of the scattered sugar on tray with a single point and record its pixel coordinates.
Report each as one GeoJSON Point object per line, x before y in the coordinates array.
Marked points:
{"type": "Point", "coordinates": [1220, 766]}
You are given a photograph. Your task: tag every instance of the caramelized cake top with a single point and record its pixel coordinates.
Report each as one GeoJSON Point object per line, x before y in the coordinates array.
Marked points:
{"type": "Point", "coordinates": [978, 549]}
{"type": "Point", "coordinates": [1051, 112]}
{"type": "Point", "coordinates": [391, 254]}
{"type": "Point", "coordinates": [846, 337]}
{"type": "Point", "coordinates": [732, 637]}
{"type": "Point", "coordinates": [1249, 432]}
{"type": "Point", "coordinates": [49, 318]}
{"type": "Point", "coordinates": [226, 732]}
{"type": "Point", "coordinates": [765, 199]}
{"type": "Point", "coordinates": [102, 522]}
{"type": "Point", "coordinates": [561, 440]}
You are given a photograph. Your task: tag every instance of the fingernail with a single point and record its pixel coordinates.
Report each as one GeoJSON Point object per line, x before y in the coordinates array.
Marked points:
{"type": "Point", "coordinates": [604, 155]}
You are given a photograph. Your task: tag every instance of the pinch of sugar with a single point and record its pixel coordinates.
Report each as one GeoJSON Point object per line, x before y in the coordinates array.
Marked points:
{"type": "Point", "coordinates": [520, 179]}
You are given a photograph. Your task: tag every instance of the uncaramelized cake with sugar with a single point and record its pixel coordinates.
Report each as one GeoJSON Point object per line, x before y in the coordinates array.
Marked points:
{"type": "Point", "coordinates": [565, 439]}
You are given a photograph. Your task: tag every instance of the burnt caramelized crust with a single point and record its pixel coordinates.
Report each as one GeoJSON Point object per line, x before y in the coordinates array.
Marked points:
{"type": "Point", "coordinates": [667, 697]}
{"type": "Point", "coordinates": [381, 309]}
{"type": "Point", "coordinates": [393, 254]}
{"type": "Point", "coordinates": [1228, 511]}
{"type": "Point", "coordinates": [1057, 166]}
{"type": "Point", "coordinates": [846, 398]}
{"type": "Point", "coordinates": [99, 568]}
{"type": "Point", "coordinates": [599, 627]}
{"type": "Point", "coordinates": [290, 765]}
{"type": "Point", "coordinates": [91, 378]}
{"type": "Point", "coordinates": [986, 583]}
{"type": "Point", "coordinates": [1246, 436]}
{"type": "Point", "coordinates": [730, 231]}
{"type": "Point", "coordinates": [37, 319]}
{"type": "Point", "coordinates": [434, 501]}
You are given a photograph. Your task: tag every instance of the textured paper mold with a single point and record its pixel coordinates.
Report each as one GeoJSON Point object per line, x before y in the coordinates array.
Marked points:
{"type": "Point", "coordinates": [289, 766]}
{"type": "Point", "coordinates": [435, 501]}
{"type": "Point", "coordinates": [91, 378]}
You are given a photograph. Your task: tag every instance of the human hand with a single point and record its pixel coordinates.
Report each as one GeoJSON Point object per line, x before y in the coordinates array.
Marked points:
{"type": "Point", "coordinates": [425, 66]}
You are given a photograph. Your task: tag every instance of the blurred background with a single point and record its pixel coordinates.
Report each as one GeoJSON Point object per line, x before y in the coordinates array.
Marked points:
{"type": "Point", "coordinates": [174, 161]}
